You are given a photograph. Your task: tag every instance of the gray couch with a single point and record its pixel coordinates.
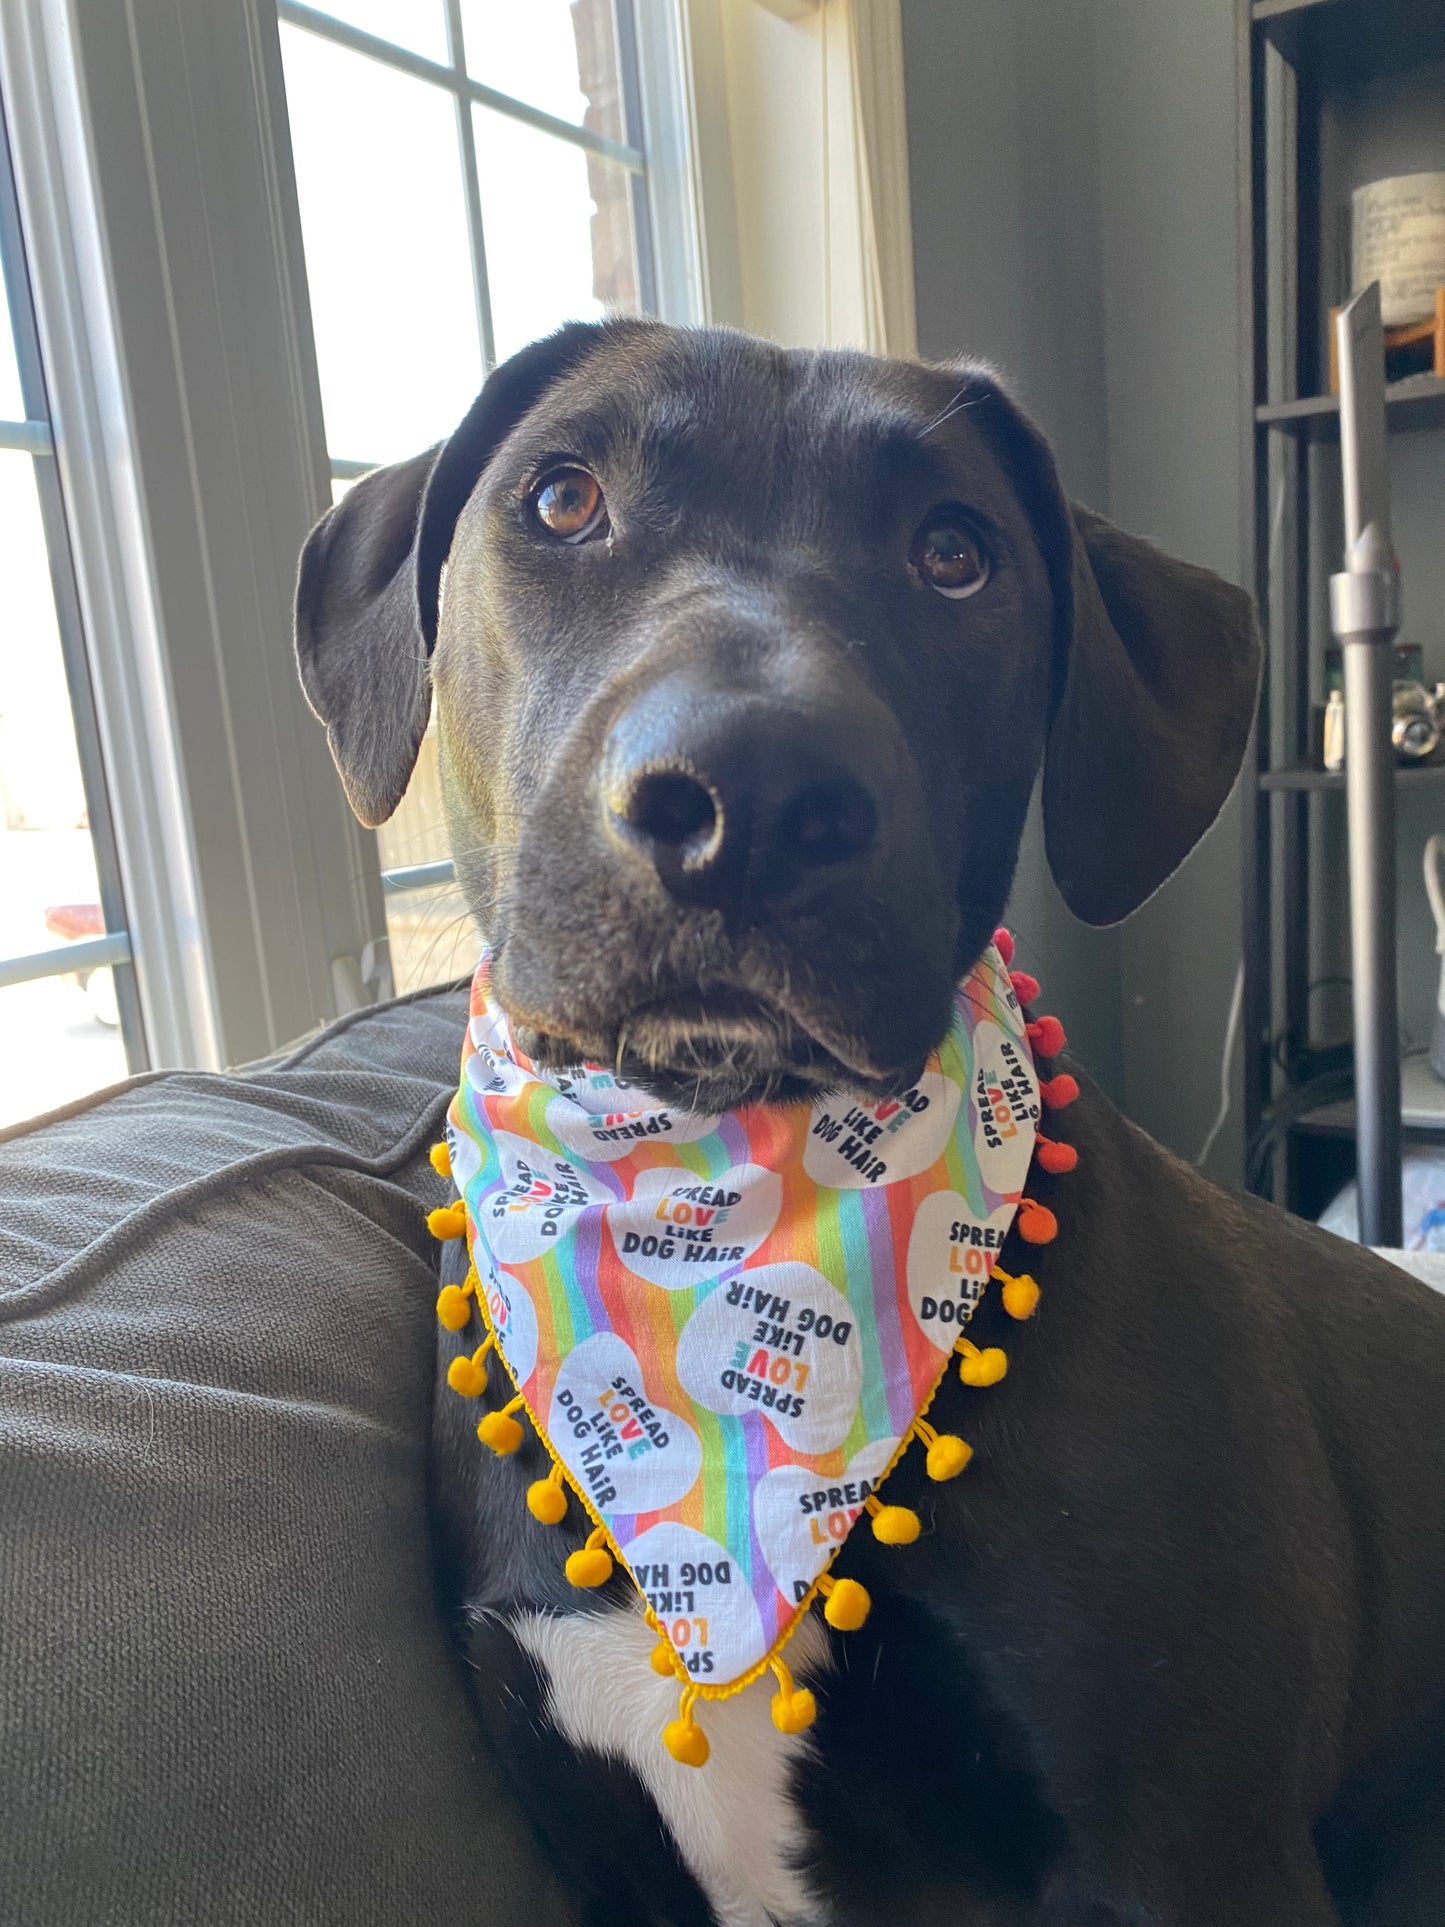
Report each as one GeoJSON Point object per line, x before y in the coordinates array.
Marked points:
{"type": "Point", "coordinates": [226, 1691]}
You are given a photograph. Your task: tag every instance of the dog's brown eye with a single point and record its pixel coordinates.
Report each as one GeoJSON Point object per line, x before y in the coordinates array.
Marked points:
{"type": "Point", "coordinates": [569, 504]}
{"type": "Point", "coordinates": [949, 556]}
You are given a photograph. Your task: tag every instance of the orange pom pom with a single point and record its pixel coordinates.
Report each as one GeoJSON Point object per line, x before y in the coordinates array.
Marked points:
{"type": "Point", "coordinates": [1053, 1157]}
{"type": "Point", "coordinates": [590, 1565]}
{"type": "Point", "coordinates": [1003, 943]}
{"type": "Point", "coordinates": [983, 1368]}
{"type": "Point", "coordinates": [547, 1502]}
{"type": "Point", "coordinates": [447, 1221]}
{"type": "Point", "coordinates": [1037, 1224]}
{"type": "Point", "coordinates": [587, 1568]}
{"type": "Point", "coordinates": [847, 1605]}
{"type": "Point", "coordinates": [501, 1433]}
{"type": "Point", "coordinates": [1020, 1296]}
{"type": "Point", "coordinates": [794, 1712]}
{"type": "Point", "coordinates": [896, 1525]}
{"type": "Point", "coordinates": [948, 1455]}
{"type": "Point", "coordinates": [441, 1159]}
{"type": "Point", "coordinates": [467, 1376]}
{"type": "Point", "coordinates": [454, 1307]}
{"type": "Point", "coordinates": [1059, 1091]}
{"type": "Point", "coordinates": [686, 1742]}
{"type": "Point", "coordinates": [1026, 988]}
{"type": "Point", "coordinates": [1046, 1034]}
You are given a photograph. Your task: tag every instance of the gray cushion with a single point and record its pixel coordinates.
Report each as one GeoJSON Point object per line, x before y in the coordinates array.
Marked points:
{"type": "Point", "coordinates": [226, 1694]}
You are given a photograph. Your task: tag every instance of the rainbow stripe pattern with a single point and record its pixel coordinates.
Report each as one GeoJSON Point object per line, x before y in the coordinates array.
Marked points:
{"type": "Point", "coordinates": [724, 1327]}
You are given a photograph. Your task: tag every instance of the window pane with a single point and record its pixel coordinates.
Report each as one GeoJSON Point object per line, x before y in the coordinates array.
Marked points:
{"type": "Point", "coordinates": [12, 408]}
{"type": "Point", "coordinates": [378, 173]}
{"type": "Point", "coordinates": [558, 227]}
{"type": "Point", "coordinates": [58, 1037]}
{"type": "Point", "coordinates": [556, 55]}
{"type": "Point", "coordinates": [432, 934]}
{"type": "Point", "coordinates": [417, 24]}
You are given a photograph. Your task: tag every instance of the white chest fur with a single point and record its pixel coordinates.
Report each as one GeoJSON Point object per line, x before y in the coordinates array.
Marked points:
{"type": "Point", "coordinates": [733, 1820]}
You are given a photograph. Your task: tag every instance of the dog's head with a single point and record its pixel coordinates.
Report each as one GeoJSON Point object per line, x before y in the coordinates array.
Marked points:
{"type": "Point", "coordinates": [745, 660]}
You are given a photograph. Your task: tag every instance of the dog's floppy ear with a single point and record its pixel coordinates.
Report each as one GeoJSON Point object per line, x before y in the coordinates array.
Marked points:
{"type": "Point", "coordinates": [368, 591]}
{"type": "Point", "coordinates": [1156, 674]}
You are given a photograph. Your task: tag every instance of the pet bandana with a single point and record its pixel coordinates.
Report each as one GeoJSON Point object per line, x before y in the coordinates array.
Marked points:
{"type": "Point", "coordinates": [726, 1329]}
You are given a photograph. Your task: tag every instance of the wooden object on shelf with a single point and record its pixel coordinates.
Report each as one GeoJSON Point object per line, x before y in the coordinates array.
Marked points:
{"type": "Point", "coordinates": [1410, 334]}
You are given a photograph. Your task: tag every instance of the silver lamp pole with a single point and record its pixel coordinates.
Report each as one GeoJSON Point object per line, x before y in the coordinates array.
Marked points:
{"type": "Point", "coordinates": [1365, 617]}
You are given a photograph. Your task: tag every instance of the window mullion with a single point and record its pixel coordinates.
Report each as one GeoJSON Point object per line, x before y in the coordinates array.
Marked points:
{"type": "Point", "coordinates": [192, 426]}
{"type": "Point", "coordinates": [471, 187]}
{"type": "Point", "coordinates": [38, 432]}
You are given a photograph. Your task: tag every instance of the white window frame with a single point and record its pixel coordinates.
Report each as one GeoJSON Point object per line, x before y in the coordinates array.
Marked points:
{"type": "Point", "coordinates": [154, 172]}
{"type": "Point", "coordinates": [156, 187]}
{"type": "Point", "coordinates": [453, 77]}
{"type": "Point", "coordinates": [33, 436]}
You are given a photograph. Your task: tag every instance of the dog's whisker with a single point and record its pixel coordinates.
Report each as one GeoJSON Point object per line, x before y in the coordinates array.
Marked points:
{"type": "Point", "coordinates": [961, 399]}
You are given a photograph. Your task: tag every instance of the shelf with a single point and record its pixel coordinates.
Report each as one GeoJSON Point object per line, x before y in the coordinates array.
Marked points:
{"type": "Point", "coordinates": [1276, 9]}
{"type": "Point", "coordinates": [1416, 402]}
{"type": "Point", "coordinates": [1422, 1105]}
{"type": "Point", "coordinates": [1340, 42]}
{"type": "Point", "coordinates": [1421, 777]}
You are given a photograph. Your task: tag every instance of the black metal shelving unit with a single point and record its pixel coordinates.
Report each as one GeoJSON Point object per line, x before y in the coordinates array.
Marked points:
{"type": "Point", "coordinates": [1336, 92]}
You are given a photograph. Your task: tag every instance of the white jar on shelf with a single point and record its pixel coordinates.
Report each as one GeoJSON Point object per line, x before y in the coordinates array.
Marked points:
{"type": "Point", "coordinates": [1397, 232]}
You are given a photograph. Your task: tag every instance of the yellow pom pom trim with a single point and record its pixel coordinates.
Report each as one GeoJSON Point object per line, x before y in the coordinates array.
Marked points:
{"type": "Point", "coordinates": [683, 1737]}
{"type": "Point", "coordinates": [591, 1565]}
{"type": "Point", "coordinates": [454, 1305]}
{"type": "Point", "coordinates": [662, 1661]}
{"type": "Point", "coordinates": [547, 1498]}
{"type": "Point", "coordinates": [847, 1603]}
{"type": "Point", "coordinates": [1020, 1294]}
{"type": "Point", "coordinates": [501, 1431]}
{"type": "Point", "coordinates": [894, 1525]}
{"type": "Point", "coordinates": [469, 1375]}
{"type": "Point", "coordinates": [947, 1454]}
{"type": "Point", "coordinates": [984, 1367]}
{"type": "Point", "coordinates": [441, 1159]}
{"type": "Point", "coordinates": [447, 1221]}
{"type": "Point", "coordinates": [794, 1708]}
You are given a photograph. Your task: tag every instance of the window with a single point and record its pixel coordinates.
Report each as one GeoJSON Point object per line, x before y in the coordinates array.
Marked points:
{"type": "Point", "coordinates": [69, 1018]}
{"type": "Point", "coordinates": [470, 174]}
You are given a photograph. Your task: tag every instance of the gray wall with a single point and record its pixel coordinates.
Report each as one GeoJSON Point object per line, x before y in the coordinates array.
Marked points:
{"type": "Point", "coordinates": [1073, 169]}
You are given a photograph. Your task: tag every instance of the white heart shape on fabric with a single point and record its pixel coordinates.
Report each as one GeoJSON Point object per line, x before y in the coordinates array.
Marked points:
{"type": "Point", "coordinates": [779, 1340]}
{"type": "Point", "coordinates": [951, 1252]}
{"type": "Point", "coordinates": [540, 1199]}
{"type": "Point", "coordinates": [677, 1229]}
{"type": "Point", "coordinates": [702, 1599]}
{"type": "Point", "coordinates": [514, 1320]}
{"type": "Point", "coordinates": [1006, 1106]}
{"type": "Point", "coordinates": [801, 1518]}
{"type": "Point", "coordinates": [854, 1146]}
{"type": "Point", "coordinates": [488, 1031]}
{"type": "Point", "coordinates": [600, 1120]}
{"type": "Point", "coordinates": [629, 1453]}
{"type": "Point", "coordinates": [465, 1154]}
{"type": "Point", "coordinates": [493, 1076]}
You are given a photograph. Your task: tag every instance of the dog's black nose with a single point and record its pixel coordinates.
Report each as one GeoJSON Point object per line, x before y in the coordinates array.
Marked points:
{"type": "Point", "coordinates": [737, 798]}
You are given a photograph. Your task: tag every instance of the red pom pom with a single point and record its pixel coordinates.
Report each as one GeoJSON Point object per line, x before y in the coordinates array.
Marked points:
{"type": "Point", "coordinates": [1055, 1158]}
{"type": "Point", "coordinates": [1037, 1224]}
{"type": "Point", "coordinates": [1026, 988]}
{"type": "Point", "coordinates": [1059, 1091]}
{"type": "Point", "coordinates": [1047, 1036]}
{"type": "Point", "coordinates": [1003, 943]}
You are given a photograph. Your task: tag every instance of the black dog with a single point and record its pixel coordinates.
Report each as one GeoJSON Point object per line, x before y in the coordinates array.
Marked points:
{"type": "Point", "coordinates": [745, 662]}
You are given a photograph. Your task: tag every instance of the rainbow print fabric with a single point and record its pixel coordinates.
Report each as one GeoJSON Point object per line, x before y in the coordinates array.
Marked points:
{"type": "Point", "coordinates": [724, 1327]}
